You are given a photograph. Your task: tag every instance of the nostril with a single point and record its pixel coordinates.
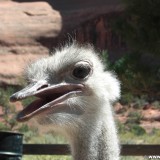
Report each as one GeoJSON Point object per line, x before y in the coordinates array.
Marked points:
{"type": "Point", "coordinates": [42, 87]}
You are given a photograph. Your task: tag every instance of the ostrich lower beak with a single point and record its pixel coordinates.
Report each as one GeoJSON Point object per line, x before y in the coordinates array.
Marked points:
{"type": "Point", "coordinates": [49, 96]}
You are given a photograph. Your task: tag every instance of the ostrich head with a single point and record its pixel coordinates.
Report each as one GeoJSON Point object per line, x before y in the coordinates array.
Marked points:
{"type": "Point", "coordinates": [72, 90]}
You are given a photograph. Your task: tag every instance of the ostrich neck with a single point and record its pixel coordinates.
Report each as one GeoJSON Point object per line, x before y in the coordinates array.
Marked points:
{"type": "Point", "coordinates": [96, 140]}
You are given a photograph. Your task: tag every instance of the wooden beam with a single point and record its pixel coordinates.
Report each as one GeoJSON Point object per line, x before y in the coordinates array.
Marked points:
{"type": "Point", "coordinates": [63, 149]}
{"type": "Point", "coordinates": [46, 149]}
{"type": "Point", "coordinates": [140, 150]}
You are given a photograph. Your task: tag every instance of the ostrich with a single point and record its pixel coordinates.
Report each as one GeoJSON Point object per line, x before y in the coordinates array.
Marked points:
{"type": "Point", "coordinates": [74, 97]}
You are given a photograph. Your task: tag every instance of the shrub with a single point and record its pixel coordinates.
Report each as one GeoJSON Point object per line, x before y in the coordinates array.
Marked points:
{"type": "Point", "coordinates": [139, 25]}
{"type": "Point", "coordinates": [137, 130]}
{"type": "Point", "coordinates": [134, 118]}
{"type": "Point", "coordinates": [9, 122]}
{"type": "Point", "coordinates": [137, 77]}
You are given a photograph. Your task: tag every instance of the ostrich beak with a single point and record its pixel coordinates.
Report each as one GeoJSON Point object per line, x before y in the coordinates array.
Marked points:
{"type": "Point", "coordinates": [49, 96]}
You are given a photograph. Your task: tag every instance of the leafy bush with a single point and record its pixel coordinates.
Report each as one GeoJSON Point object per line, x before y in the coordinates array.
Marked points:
{"type": "Point", "coordinates": [137, 77]}
{"type": "Point", "coordinates": [137, 130]}
{"type": "Point", "coordinates": [139, 25]}
{"type": "Point", "coordinates": [46, 157]}
{"type": "Point", "coordinates": [9, 122]}
{"type": "Point", "coordinates": [134, 118]}
{"type": "Point", "coordinates": [27, 101]}
{"type": "Point", "coordinates": [3, 127]}
{"type": "Point", "coordinates": [9, 112]}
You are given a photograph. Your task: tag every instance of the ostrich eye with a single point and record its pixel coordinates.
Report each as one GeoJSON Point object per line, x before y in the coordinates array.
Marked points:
{"type": "Point", "coordinates": [81, 71]}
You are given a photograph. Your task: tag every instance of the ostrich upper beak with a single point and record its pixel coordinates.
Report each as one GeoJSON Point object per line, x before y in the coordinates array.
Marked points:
{"type": "Point", "coordinates": [48, 96]}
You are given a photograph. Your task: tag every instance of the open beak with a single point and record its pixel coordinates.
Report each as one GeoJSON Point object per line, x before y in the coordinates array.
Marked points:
{"type": "Point", "coordinates": [48, 97]}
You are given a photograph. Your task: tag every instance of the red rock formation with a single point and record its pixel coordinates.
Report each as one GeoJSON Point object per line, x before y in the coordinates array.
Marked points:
{"type": "Point", "coordinates": [37, 24]}
{"type": "Point", "coordinates": [35, 27]}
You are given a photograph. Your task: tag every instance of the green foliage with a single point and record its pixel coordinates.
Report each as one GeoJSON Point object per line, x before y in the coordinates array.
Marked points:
{"type": "Point", "coordinates": [30, 134]}
{"type": "Point", "coordinates": [132, 158]}
{"type": "Point", "coordinates": [105, 59]}
{"type": "Point", "coordinates": [156, 132]}
{"type": "Point", "coordinates": [47, 157]}
{"type": "Point", "coordinates": [140, 102]}
{"type": "Point", "coordinates": [127, 98]}
{"type": "Point", "coordinates": [156, 104]}
{"type": "Point", "coordinates": [139, 137]}
{"type": "Point", "coordinates": [137, 77]}
{"type": "Point", "coordinates": [139, 25]}
{"type": "Point", "coordinates": [47, 138]}
{"type": "Point", "coordinates": [132, 125]}
{"type": "Point", "coordinates": [121, 127]}
{"type": "Point", "coordinates": [137, 130]}
{"type": "Point", "coordinates": [3, 127]}
{"type": "Point", "coordinates": [27, 101]}
{"type": "Point", "coordinates": [9, 122]}
{"type": "Point", "coordinates": [134, 118]}
{"type": "Point", "coordinates": [4, 100]}
{"type": "Point", "coordinates": [24, 128]}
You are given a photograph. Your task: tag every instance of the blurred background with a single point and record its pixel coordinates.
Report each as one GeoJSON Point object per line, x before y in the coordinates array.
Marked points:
{"type": "Point", "coordinates": [126, 33]}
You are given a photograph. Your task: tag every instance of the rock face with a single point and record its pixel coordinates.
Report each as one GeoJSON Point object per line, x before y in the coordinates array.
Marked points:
{"type": "Point", "coordinates": [99, 32]}
{"type": "Point", "coordinates": [39, 23]}
{"type": "Point", "coordinates": [23, 24]}
{"type": "Point", "coordinates": [12, 65]}
{"type": "Point", "coordinates": [35, 27]}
